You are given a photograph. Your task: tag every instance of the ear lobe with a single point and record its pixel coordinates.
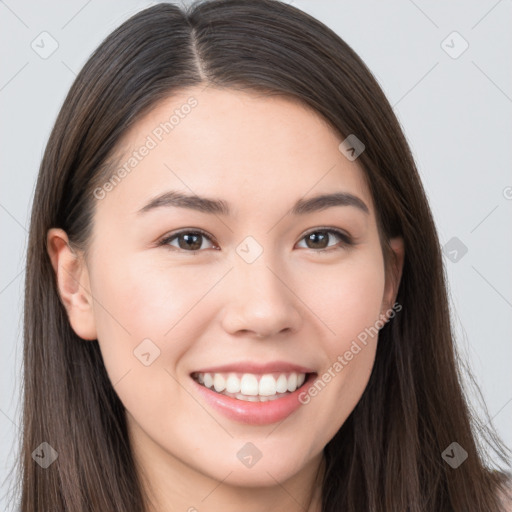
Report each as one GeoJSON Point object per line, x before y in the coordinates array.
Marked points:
{"type": "Point", "coordinates": [72, 283]}
{"type": "Point", "coordinates": [393, 273]}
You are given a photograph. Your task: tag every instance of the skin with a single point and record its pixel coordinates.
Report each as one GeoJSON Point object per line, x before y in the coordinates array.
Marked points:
{"type": "Point", "coordinates": [260, 154]}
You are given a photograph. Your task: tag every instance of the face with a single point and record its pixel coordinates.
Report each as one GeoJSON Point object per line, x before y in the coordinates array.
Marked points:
{"type": "Point", "coordinates": [175, 289]}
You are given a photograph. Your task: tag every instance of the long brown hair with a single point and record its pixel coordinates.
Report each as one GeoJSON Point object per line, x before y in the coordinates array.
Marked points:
{"type": "Point", "coordinates": [387, 456]}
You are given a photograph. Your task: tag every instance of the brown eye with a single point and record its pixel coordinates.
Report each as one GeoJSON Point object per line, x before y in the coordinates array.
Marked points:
{"type": "Point", "coordinates": [320, 239]}
{"type": "Point", "coordinates": [189, 241]}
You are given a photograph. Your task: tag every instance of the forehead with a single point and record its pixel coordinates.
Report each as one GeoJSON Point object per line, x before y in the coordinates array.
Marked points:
{"type": "Point", "coordinates": [251, 149]}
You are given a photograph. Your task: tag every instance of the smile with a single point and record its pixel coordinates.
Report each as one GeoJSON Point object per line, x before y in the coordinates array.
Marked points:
{"type": "Point", "coordinates": [251, 387]}
{"type": "Point", "coordinates": [246, 404]}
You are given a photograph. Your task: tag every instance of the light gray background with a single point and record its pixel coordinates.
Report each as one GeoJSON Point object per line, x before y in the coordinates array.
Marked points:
{"type": "Point", "coordinates": [456, 114]}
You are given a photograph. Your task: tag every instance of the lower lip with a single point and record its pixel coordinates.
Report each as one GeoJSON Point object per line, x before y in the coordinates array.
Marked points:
{"type": "Point", "coordinates": [255, 413]}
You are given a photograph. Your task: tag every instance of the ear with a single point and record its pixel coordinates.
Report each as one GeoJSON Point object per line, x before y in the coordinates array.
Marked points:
{"type": "Point", "coordinates": [72, 283]}
{"type": "Point", "coordinates": [394, 269]}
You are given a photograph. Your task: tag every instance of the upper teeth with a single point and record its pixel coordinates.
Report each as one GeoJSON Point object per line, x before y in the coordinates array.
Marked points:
{"type": "Point", "coordinates": [252, 384]}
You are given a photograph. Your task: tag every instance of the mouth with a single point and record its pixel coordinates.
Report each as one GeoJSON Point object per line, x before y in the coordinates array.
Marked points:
{"type": "Point", "coordinates": [262, 398]}
{"type": "Point", "coordinates": [253, 387]}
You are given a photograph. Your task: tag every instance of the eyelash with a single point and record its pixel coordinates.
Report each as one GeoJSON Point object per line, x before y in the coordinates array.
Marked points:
{"type": "Point", "coordinates": [346, 240]}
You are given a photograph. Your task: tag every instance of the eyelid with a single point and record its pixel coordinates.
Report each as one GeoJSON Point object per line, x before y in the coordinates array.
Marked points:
{"type": "Point", "coordinates": [347, 239]}
{"type": "Point", "coordinates": [170, 236]}
{"type": "Point", "coordinates": [340, 232]}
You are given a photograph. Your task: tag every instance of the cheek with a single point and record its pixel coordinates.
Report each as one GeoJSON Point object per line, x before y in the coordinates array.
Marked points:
{"type": "Point", "coordinates": [347, 298]}
{"type": "Point", "coordinates": [174, 305]}
{"type": "Point", "coordinates": [145, 295]}
{"type": "Point", "coordinates": [139, 299]}
{"type": "Point", "coordinates": [348, 301]}
{"type": "Point", "coordinates": [141, 309]}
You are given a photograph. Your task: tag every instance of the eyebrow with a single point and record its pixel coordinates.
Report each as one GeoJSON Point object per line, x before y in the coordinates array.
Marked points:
{"type": "Point", "coordinates": [220, 207]}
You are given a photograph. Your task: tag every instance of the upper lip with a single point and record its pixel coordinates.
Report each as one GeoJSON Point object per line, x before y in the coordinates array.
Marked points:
{"type": "Point", "coordinates": [258, 368]}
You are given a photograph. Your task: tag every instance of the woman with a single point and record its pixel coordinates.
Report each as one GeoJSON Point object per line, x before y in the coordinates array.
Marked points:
{"type": "Point", "coordinates": [235, 293]}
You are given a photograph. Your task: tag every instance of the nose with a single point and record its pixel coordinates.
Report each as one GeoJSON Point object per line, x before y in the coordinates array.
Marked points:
{"type": "Point", "coordinates": [262, 302]}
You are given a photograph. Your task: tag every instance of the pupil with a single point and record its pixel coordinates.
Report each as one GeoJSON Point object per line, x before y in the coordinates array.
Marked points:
{"type": "Point", "coordinates": [194, 246]}
{"type": "Point", "coordinates": [314, 237]}
{"type": "Point", "coordinates": [193, 241]}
